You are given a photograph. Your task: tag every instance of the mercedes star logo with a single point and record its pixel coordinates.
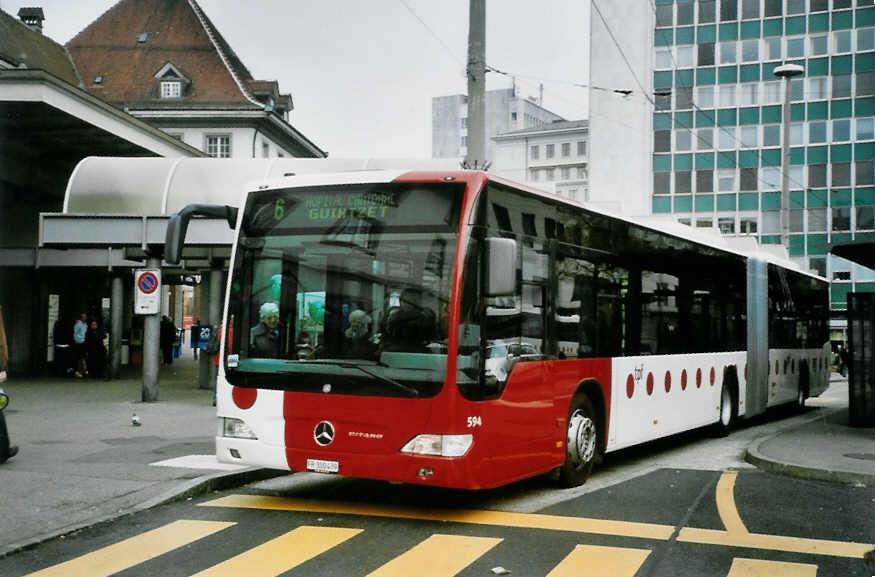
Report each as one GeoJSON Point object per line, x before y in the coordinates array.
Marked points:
{"type": "Point", "coordinates": [323, 433]}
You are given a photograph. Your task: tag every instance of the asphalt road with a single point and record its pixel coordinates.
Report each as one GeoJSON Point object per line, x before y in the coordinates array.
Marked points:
{"type": "Point", "coordinates": [687, 505]}
{"type": "Point", "coordinates": [667, 522]}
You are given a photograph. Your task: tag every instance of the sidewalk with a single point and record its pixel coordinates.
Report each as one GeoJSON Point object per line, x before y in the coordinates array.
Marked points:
{"type": "Point", "coordinates": [81, 460]}
{"type": "Point", "coordinates": [825, 448]}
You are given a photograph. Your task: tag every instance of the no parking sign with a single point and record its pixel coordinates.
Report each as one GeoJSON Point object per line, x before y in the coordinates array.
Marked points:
{"type": "Point", "coordinates": [147, 296]}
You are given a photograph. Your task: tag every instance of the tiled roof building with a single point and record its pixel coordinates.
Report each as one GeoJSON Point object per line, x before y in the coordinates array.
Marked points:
{"type": "Point", "coordinates": [164, 60]}
{"type": "Point", "coordinates": [22, 47]}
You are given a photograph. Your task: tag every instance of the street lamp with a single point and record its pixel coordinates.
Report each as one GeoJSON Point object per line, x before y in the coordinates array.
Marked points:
{"type": "Point", "coordinates": [787, 72]}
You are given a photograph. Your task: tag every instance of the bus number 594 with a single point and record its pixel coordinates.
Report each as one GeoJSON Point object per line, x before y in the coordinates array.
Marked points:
{"type": "Point", "coordinates": [475, 422]}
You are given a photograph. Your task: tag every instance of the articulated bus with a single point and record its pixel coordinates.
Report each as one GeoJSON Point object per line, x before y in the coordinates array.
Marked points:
{"type": "Point", "coordinates": [459, 330]}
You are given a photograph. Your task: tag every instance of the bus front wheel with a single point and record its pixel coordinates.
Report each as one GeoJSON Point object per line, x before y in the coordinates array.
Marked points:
{"type": "Point", "coordinates": [581, 444]}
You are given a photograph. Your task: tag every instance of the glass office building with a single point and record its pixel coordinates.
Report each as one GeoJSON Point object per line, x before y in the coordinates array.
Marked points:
{"type": "Point", "coordinates": [717, 123]}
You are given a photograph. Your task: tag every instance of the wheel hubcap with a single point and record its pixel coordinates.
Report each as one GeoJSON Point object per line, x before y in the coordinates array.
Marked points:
{"type": "Point", "coordinates": [581, 439]}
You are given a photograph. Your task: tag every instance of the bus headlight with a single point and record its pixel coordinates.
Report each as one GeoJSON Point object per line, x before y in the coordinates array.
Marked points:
{"type": "Point", "coordinates": [237, 429]}
{"type": "Point", "coordinates": [439, 445]}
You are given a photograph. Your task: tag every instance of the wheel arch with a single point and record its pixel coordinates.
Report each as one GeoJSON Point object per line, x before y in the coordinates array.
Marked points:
{"type": "Point", "coordinates": [730, 379]}
{"type": "Point", "coordinates": [804, 377]}
{"type": "Point", "coordinates": [592, 389]}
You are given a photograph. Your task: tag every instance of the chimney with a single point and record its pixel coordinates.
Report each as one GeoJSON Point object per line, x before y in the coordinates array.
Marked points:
{"type": "Point", "coordinates": [33, 18]}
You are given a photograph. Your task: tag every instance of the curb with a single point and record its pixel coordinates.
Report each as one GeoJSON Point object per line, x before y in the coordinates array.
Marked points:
{"type": "Point", "coordinates": [191, 488]}
{"type": "Point", "coordinates": [755, 457]}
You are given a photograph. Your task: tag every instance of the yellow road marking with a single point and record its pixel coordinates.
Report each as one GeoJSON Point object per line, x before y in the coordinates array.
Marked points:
{"type": "Point", "coordinates": [133, 551]}
{"type": "Point", "coordinates": [555, 523]}
{"type": "Point", "coordinates": [437, 556]}
{"type": "Point", "coordinates": [281, 554]}
{"type": "Point", "coordinates": [759, 568]}
{"type": "Point", "coordinates": [726, 503]}
{"type": "Point", "coordinates": [595, 561]}
{"type": "Point", "coordinates": [775, 542]}
{"type": "Point", "coordinates": [499, 518]}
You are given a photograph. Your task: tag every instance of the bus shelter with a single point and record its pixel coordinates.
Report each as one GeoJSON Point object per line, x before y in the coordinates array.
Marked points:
{"type": "Point", "coordinates": [861, 338]}
{"type": "Point", "coordinates": [121, 207]}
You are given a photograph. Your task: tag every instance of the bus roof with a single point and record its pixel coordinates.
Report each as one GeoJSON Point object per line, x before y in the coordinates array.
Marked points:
{"type": "Point", "coordinates": [431, 173]}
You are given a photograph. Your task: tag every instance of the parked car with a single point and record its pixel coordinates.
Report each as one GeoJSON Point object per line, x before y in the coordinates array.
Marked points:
{"type": "Point", "coordinates": [501, 357]}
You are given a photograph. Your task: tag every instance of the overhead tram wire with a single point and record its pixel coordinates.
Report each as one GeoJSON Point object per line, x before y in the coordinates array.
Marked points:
{"type": "Point", "coordinates": [434, 35]}
{"type": "Point", "coordinates": [620, 91]}
{"type": "Point", "coordinates": [622, 53]}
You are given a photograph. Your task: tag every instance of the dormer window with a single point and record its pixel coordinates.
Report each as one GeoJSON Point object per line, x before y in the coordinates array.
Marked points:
{"type": "Point", "coordinates": [172, 83]}
{"type": "Point", "coordinates": [171, 88]}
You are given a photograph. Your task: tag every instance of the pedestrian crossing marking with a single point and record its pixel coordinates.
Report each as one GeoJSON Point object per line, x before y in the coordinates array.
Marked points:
{"type": "Point", "coordinates": [498, 518]}
{"type": "Point", "coordinates": [553, 522]}
{"type": "Point", "coordinates": [726, 507]}
{"type": "Point", "coordinates": [283, 553]}
{"type": "Point", "coordinates": [135, 550]}
{"type": "Point", "coordinates": [595, 561]}
{"type": "Point", "coordinates": [759, 568]}
{"type": "Point", "coordinates": [437, 556]}
{"type": "Point", "coordinates": [775, 542]}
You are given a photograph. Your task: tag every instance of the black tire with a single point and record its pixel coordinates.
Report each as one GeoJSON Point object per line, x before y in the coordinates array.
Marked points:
{"type": "Point", "coordinates": [728, 409]}
{"type": "Point", "coordinates": [583, 442]}
{"type": "Point", "coordinates": [803, 388]}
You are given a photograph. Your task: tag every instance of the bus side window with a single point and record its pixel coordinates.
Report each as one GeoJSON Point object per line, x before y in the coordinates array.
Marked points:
{"type": "Point", "coordinates": [660, 332]}
{"type": "Point", "coordinates": [612, 286]}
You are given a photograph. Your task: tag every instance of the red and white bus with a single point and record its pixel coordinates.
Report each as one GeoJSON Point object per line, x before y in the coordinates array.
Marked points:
{"type": "Point", "coordinates": [365, 312]}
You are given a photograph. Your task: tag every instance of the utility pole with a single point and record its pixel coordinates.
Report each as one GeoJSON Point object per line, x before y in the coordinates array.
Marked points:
{"type": "Point", "coordinates": [476, 158]}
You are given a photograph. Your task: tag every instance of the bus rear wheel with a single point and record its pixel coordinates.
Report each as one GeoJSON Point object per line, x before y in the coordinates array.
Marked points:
{"type": "Point", "coordinates": [581, 444]}
{"type": "Point", "coordinates": [802, 388]}
{"type": "Point", "coordinates": [728, 411]}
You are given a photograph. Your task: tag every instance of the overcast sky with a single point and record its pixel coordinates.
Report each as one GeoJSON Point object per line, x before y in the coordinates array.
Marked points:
{"type": "Point", "coordinates": [362, 73]}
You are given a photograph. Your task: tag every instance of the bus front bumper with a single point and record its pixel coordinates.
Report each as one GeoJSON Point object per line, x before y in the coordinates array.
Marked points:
{"type": "Point", "coordinates": [450, 472]}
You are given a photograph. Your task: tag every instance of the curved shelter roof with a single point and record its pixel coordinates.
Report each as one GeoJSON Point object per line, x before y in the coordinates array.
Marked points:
{"type": "Point", "coordinates": [163, 186]}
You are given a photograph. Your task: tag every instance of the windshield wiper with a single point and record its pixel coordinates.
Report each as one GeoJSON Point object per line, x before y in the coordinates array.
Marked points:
{"type": "Point", "coordinates": [400, 386]}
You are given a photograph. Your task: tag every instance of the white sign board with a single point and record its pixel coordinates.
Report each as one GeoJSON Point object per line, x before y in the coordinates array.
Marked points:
{"type": "Point", "coordinates": [147, 291]}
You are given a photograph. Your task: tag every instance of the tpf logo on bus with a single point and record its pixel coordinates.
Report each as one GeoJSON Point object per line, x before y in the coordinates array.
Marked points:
{"type": "Point", "coordinates": [638, 372]}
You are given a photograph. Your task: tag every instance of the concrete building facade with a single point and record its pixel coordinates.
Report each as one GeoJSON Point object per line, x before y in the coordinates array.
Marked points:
{"type": "Point", "coordinates": [550, 156]}
{"type": "Point", "coordinates": [505, 111]}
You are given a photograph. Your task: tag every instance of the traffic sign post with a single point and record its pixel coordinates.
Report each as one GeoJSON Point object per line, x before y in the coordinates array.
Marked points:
{"type": "Point", "coordinates": [147, 302]}
{"type": "Point", "coordinates": [147, 291]}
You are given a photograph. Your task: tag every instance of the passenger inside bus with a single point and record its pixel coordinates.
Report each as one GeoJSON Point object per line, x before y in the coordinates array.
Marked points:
{"type": "Point", "coordinates": [264, 338]}
{"type": "Point", "coordinates": [410, 326]}
{"type": "Point", "coordinates": [358, 344]}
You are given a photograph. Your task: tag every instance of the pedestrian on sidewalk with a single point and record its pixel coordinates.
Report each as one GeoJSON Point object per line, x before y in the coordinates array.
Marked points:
{"type": "Point", "coordinates": [167, 338]}
{"type": "Point", "coordinates": [96, 352]}
{"type": "Point", "coordinates": [62, 337]}
{"type": "Point", "coordinates": [195, 337]}
{"type": "Point", "coordinates": [7, 451]}
{"type": "Point", "coordinates": [80, 328]}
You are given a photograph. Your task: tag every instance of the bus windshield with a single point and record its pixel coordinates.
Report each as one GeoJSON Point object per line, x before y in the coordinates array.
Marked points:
{"type": "Point", "coordinates": [344, 289]}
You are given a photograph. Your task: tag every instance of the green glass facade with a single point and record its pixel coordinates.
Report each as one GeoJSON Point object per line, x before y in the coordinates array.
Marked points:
{"type": "Point", "coordinates": [718, 113]}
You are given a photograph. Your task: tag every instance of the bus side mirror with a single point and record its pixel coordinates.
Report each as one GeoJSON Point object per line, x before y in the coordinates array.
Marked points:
{"type": "Point", "coordinates": [501, 277]}
{"type": "Point", "coordinates": [178, 226]}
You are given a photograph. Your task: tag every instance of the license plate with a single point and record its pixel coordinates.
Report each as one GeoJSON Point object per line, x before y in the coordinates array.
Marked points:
{"type": "Point", "coordinates": [320, 466]}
